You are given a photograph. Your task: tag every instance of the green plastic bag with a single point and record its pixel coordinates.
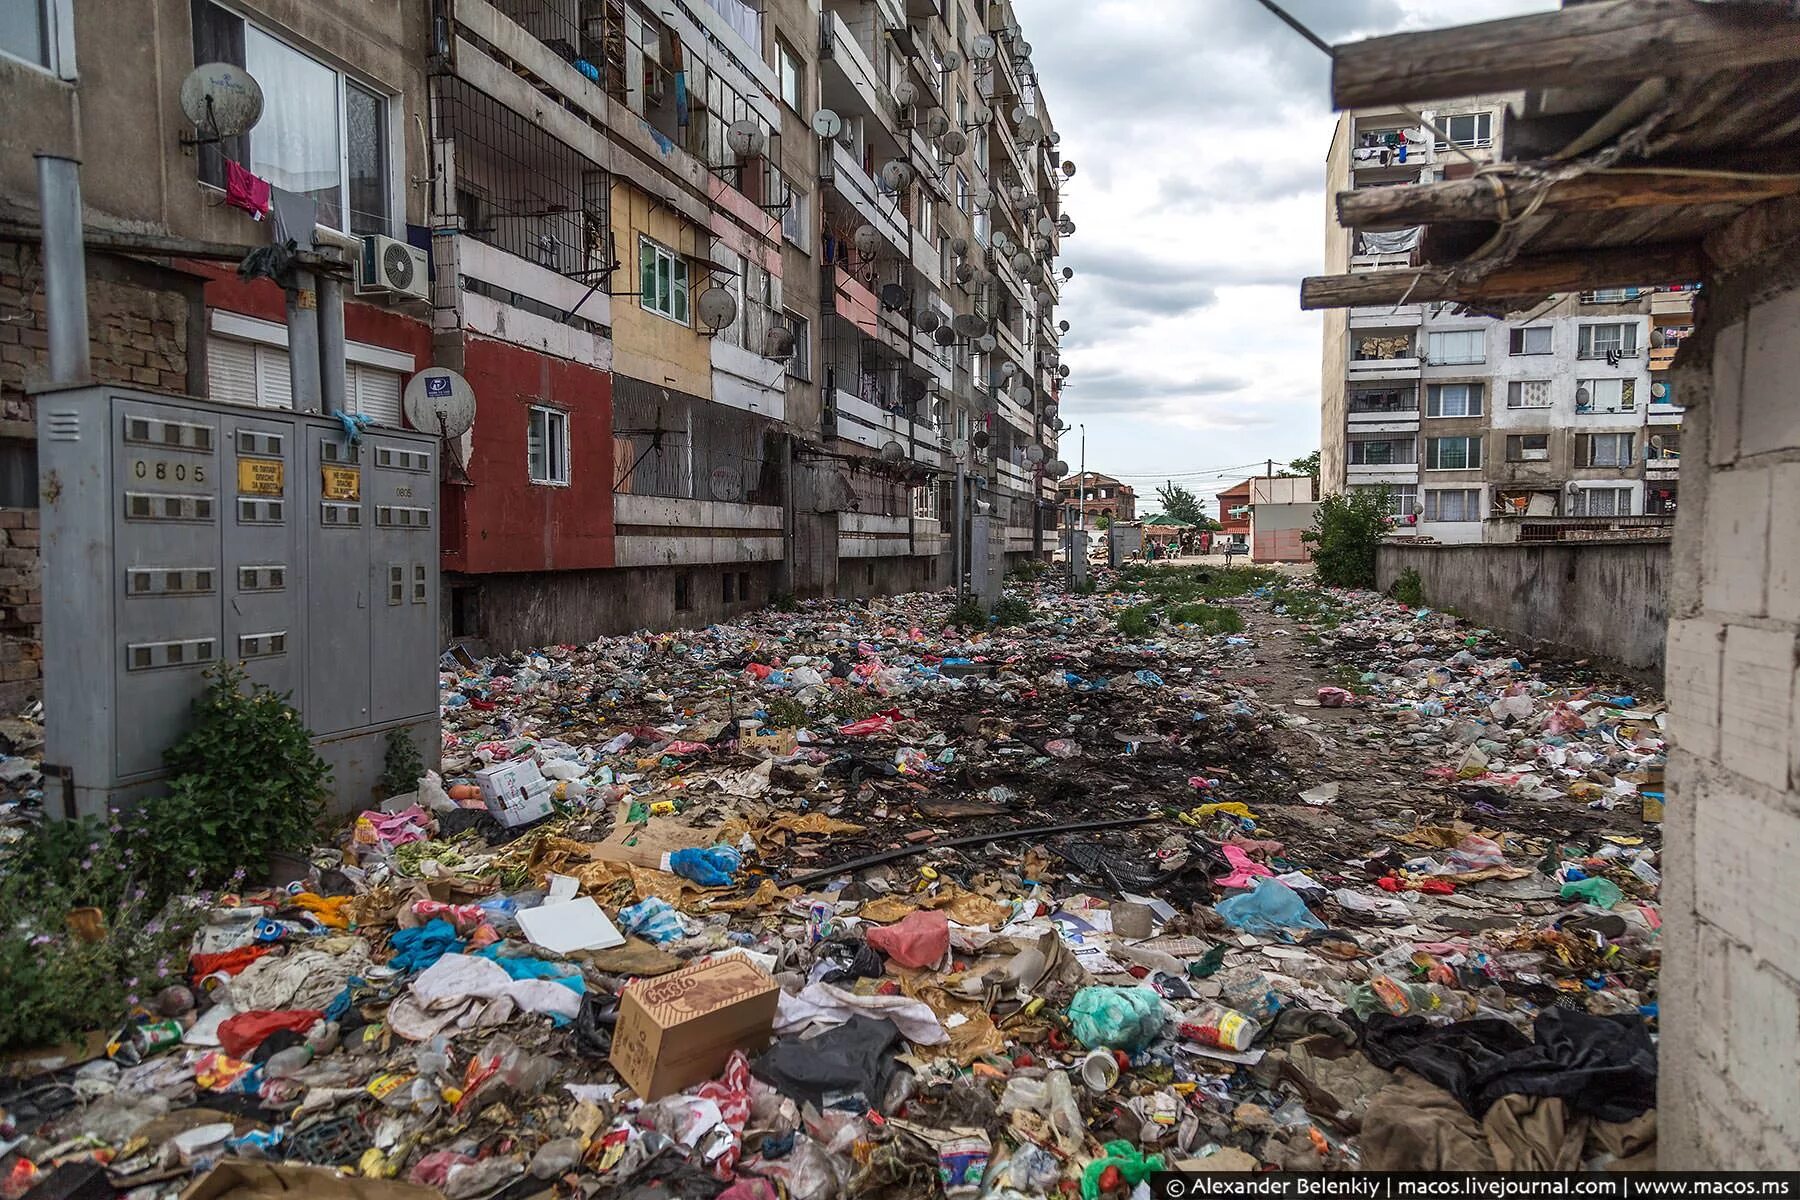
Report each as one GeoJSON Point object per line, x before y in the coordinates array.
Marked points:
{"type": "Point", "coordinates": [1117, 1018]}
{"type": "Point", "coordinates": [1601, 893]}
{"type": "Point", "coordinates": [1133, 1164]}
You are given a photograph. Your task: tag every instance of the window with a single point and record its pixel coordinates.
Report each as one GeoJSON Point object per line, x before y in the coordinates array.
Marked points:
{"type": "Point", "coordinates": [547, 446]}
{"type": "Point", "coordinates": [1664, 446]}
{"type": "Point", "coordinates": [1659, 502]}
{"type": "Point", "coordinates": [1460, 504]}
{"type": "Point", "coordinates": [40, 32]}
{"type": "Point", "coordinates": [663, 281]}
{"type": "Point", "coordinates": [925, 503]}
{"type": "Point", "coordinates": [796, 221]}
{"type": "Point", "coordinates": [684, 592]}
{"type": "Point", "coordinates": [1608, 450]}
{"type": "Point", "coordinates": [793, 76]}
{"type": "Point", "coordinates": [1605, 395]}
{"type": "Point", "coordinates": [728, 587]}
{"type": "Point", "coordinates": [1533, 339]}
{"type": "Point", "coordinates": [1610, 295]}
{"type": "Point", "coordinates": [321, 134]}
{"type": "Point", "coordinates": [1401, 497]}
{"type": "Point", "coordinates": [1528, 447]}
{"type": "Point", "coordinates": [1452, 453]}
{"type": "Point", "coordinates": [1601, 502]}
{"type": "Point", "coordinates": [1381, 452]}
{"type": "Point", "coordinates": [744, 586]}
{"type": "Point", "coordinates": [1453, 400]}
{"type": "Point", "coordinates": [253, 373]}
{"type": "Point", "coordinates": [1384, 400]}
{"type": "Point", "coordinates": [1528, 393]}
{"type": "Point", "coordinates": [1467, 129]}
{"type": "Point", "coordinates": [964, 197]}
{"type": "Point", "coordinates": [1607, 341]}
{"type": "Point", "coordinates": [1456, 347]}
{"type": "Point", "coordinates": [18, 473]}
{"type": "Point", "coordinates": [799, 364]}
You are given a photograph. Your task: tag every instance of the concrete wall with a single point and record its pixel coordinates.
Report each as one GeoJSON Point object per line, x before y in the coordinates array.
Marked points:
{"type": "Point", "coordinates": [1730, 990]}
{"type": "Point", "coordinates": [1606, 600]}
{"type": "Point", "coordinates": [519, 612]}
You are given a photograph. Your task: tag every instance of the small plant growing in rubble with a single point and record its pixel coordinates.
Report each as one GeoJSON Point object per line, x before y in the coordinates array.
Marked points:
{"type": "Point", "coordinates": [784, 602]}
{"type": "Point", "coordinates": [401, 766]}
{"type": "Point", "coordinates": [1013, 610]}
{"type": "Point", "coordinates": [967, 614]}
{"type": "Point", "coordinates": [785, 712]}
{"type": "Point", "coordinates": [1409, 589]}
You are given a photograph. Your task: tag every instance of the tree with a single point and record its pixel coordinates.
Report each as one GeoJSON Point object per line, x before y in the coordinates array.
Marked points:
{"type": "Point", "coordinates": [1181, 504]}
{"type": "Point", "coordinates": [1346, 531]}
{"type": "Point", "coordinates": [1103, 521]}
{"type": "Point", "coordinates": [1307, 466]}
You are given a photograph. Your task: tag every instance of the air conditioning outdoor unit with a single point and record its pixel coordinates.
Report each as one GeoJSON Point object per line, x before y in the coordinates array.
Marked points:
{"type": "Point", "coordinates": [391, 267]}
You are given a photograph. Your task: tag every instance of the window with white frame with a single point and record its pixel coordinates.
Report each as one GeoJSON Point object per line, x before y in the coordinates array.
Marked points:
{"type": "Point", "coordinates": [964, 199]}
{"type": "Point", "coordinates": [1467, 130]}
{"type": "Point", "coordinates": [1453, 400]}
{"type": "Point", "coordinates": [1453, 504]}
{"type": "Point", "coordinates": [1400, 497]}
{"type": "Point", "coordinates": [1607, 341]}
{"type": "Point", "coordinates": [1528, 447]}
{"type": "Point", "coordinates": [1601, 502]}
{"type": "Point", "coordinates": [1617, 295]}
{"type": "Point", "coordinates": [40, 32]}
{"type": "Point", "coordinates": [1452, 453]}
{"type": "Point", "coordinates": [547, 446]}
{"type": "Point", "coordinates": [662, 281]}
{"type": "Point", "coordinates": [925, 502]}
{"type": "Point", "coordinates": [1528, 393]}
{"type": "Point", "coordinates": [1609, 450]}
{"type": "Point", "coordinates": [1532, 339]}
{"type": "Point", "coordinates": [799, 363]}
{"type": "Point", "coordinates": [1605, 395]}
{"type": "Point", "coordinates": [256, 373]}
{"type": "Point", "coordinates": [792, 70]}
{"type": "Point", "coordinates": [1382, 452]}
{"type": "Point", "coordinates": [322, 134]}
{"type": "Point", "coordinates": [796, 221]}
{"type": "Point", "coordinates": [1456, 347]}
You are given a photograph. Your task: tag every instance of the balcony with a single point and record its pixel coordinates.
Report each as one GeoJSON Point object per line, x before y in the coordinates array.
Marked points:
{"type": "Point", "coordinates": [867, 424]}
{"type": "Point", "coordinates": [852, 300]}
{"type": "Point", "coordinates": [1678, 306]}
{"type": "Point", "coordinates": [1387, 316]}
{"type": "Point", "coordinates": [1398, 367]}
{"type": "Point", "coordinates": [1595, 529]}
{"type": "Point", "coordinates": [845, 176]}
{"type": "Point", "coordinates": [849, 84]}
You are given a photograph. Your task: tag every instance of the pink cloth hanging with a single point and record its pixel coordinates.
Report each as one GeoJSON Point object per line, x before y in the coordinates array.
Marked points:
{"type": "Point", "coordinates": [244, 190]}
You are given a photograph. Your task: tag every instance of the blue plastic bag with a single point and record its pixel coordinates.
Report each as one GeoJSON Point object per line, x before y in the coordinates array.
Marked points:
{"type": "Point", "coordinates": [1270, 910]}
{"type": "Point", "coordinates": [716, 866]}
{"type": "Point", "coordinates": [1117, 1018]}
{"type": "Point", "coordinates": [652, 918]}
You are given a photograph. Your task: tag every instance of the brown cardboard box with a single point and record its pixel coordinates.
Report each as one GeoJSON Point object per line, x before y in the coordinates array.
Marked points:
{"type": "Point", "coordinates": [679, 1029]}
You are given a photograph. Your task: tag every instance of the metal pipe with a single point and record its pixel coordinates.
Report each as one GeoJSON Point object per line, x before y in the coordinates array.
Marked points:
{"type": "Point", "coordinates": [957, 556]}
{"type": "Point", "coordinates": [65, 267]}
{"type": "Point", "coordinates": [333, 386]}
{"type": "Point", "coordinates": [784, 575]}
{"type": "Point", "coordinates": [303, 342]}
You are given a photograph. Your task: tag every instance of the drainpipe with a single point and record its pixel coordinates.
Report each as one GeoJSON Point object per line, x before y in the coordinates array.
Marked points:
{"type": "Point", "coordinates": [785, 575]}
{"type": "Point", "coordinates": [303, 342]}
{"type": "Point", "coordinates": [958, 554]}
{"type": "Point", "coordinates": [65, 267]}
{"type": "Point", "coordinates": [332, 383]}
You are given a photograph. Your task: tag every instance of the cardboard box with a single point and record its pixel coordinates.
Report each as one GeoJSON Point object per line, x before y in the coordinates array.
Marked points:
{"type": "Point", "coordinates": [516, 792]}
{"type": "Point", "coordinates": [679, 1029]}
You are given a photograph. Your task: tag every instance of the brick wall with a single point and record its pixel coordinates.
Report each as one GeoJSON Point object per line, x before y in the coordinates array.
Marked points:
{"type": "Point", "coordinates": [1730, 1097]}
{"type": "Point", "coordinates": [140, 318]}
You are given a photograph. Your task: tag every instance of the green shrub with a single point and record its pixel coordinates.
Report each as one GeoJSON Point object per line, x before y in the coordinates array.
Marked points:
{"type": "Point", "coordinates": [1409, 589]}
{"type": "Point", "coordinates": [1030, 568]}
{"type": "Point", "coordinates": [1134, 622]}
{"type": "Point", "coordinates": [967, 614]}
{"type": "Point", "coordinates": [784, 602]}
{"type": "Point", "coordinates": [1207, 618]}
{"type": "Point", "coordinates": [1346, 531]}
{"type": "Point", "coordinates": [401, 766]}
{"type": "Point", "coordinates": [785, 712]}
{"type": "Point", "coordinates": [1013, 610]}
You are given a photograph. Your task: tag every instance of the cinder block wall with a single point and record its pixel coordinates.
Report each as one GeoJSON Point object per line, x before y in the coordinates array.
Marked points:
{"type": "Point", "coordinates": [1730, 1089]}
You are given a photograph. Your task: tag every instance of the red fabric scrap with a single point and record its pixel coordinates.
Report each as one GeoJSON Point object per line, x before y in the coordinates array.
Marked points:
{"type": "Point", "coordinates": [240, 1035]}
{"type": "Point", "coordinates": [232, 962]}
{"type": "Point", "coordinates": [244, 190]}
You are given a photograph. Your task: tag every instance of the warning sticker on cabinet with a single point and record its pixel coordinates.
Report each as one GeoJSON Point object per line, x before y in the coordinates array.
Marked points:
{"type": "Point", "coordinates": [342, 483]}
{"type": "Point", "coordinates": [261, 476]}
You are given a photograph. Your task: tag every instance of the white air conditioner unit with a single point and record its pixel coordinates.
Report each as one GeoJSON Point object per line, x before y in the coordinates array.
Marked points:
{"type": "Point", "coordinates": [391, 267]}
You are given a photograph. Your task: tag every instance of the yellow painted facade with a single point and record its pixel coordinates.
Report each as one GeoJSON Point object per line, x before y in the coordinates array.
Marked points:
{"type": "Point", "coordinates": [646, 344]}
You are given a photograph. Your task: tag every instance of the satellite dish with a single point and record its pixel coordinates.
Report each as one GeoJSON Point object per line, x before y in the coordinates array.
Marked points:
{"type": "Point", "coordinates": [1050, 412]}
{"type": "Point", "coordinates": [1046, 226]}
{"type": "Point", "coordinates": [959, 247]}
{"type": "Point", "coordinates": [827, 124]}
{"type": "Point", "coordinates": [1021, 394]}
{"type": "Point", "coordinates": [1062, 326]}
{"type": "Point", "coordinates": [982, 48]}
{"type": "Point", "coordinates": [746, 138]}
{"type": "Point", "coordinates": [1034, 274]}
{"type": "Point", "coordinates": [1056, 468]}
{"type": "Point", "coordinates": [1002, 243]}
{"type": "Point", "coordinates": [912, 389]}
{"type": "Point", "coordinates": [954, 142]}
{"type": "Point", "coordinates": [1068, 273]}
{"type": "Point", "coordinates": [968, 325]}
{"type": "Point", "coordinates": [1583, 397]}
{"type": "Point", "coordinates": [867, 239]}
{"type": "Point", "coordinates": [980, 114]}
{"type": "Point", "coordinates": [893, 452]}
{"type": "Point", "coordinates": [1044, 298]}
{"type": "Point", "coordinates": [1062, 372]}
{"type": "Point", "coordinates": [1034, 454]}
{"type": "Point", "coordinates": [986, 343]}
{"type": "Point", "coordinates": [1056, 140]}
{"type": "Point", "coordinates": [1008, 370]}
{"type": "Point", "coordinates": [964, 273]}
{"type": "Point", "coordinates": [906, 93]}
{"type": "Point", "coordinates": [952, 59]}
{"type": "Point", "coordinates": [896, 173]}
{"type": "Point", "coordinates": [438, 400]}
{"type": "Point", "coordinates": [984, 198]}
{"type": "Point", "coordinates": [1066, 227]}
{"type": "Point", "coordinates": [778, 342]}
{"type": "Point", "coordinates": [1022, 262]}
{"type": "Point", "coordinates": [1659, 391]}
{"type": "Point", "coordinates": [893, 297]}
{"type": "Point", "coordinates": [928, 319]}
{"type": "Point", "coordinates": [1658, 339]}
{"type": "Point", "coordinates": [981, 439]}
{"type": "Point", "coordinates": [1024, 50]}
{"type": "Point", "coordinates": [716, 308]}
{"type": "Point", "coordinates": [221, 100]}
{"type": "Point", "coordinates": [937, 123]}
{"type": "Point", "coordinates": [1031, 129]}
{"type": "Point", "coordinates": [945, 336]}
{"type": "Point", "coordinates": [1656, 441]}
{"type": "Point", "coordinates": [959, 448]}
{"type": "Point", "coordinates": [1068, 167]}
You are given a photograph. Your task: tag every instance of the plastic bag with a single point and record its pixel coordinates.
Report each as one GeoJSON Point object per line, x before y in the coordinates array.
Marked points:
{"type": "Point", "coordinates": [1052, 1097]}
{"type": "Point", "coordinates": [1474, 853]}
{"type": "Point", "coordinates": [1131, 1164]}
{"type": "Point", "coordinates": [1272, 908]}
{"type": "Point", "coordinates": [714, 867]}
{"type": "Point", "coordinates": [652, 918]}
{"type": "Point", "coordinates": [921, 939]}
{"type": "Point", "coordinates": [1117, 1018]}
{"type": "Point", "coordinates": [1602, 893]}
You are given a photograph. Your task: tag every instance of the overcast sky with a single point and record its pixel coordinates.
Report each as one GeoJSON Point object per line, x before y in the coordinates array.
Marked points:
{"type": "Point", "coordinates": [1199, 130]}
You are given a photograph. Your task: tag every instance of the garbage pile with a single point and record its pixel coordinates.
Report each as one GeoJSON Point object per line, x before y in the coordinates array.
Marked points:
{"type": "Point", "coordinates": [844, 901]}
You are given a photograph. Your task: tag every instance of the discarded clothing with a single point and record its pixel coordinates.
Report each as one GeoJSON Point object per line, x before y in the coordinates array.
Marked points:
{"type": "Point", "coordinates": [856, 1057]}
{"type": "Point", "coordinates": [825, 1005]}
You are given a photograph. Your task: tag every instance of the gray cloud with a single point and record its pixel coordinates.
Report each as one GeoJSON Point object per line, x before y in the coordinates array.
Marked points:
{"type": "Point", "coordinates": [1129, 390]}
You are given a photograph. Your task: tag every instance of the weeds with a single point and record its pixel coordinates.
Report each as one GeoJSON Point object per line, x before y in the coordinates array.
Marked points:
{"type": "Point", "coordinates": [1013, 610]}
{"type": "Point", "coordinates": [1409, 589]}
{"type": "Point", "coordinates": [967, 614]}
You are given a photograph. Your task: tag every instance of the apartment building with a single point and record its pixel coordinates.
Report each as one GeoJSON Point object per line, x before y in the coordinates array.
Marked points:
{"type": "Point", "coordinates": [1090, 495]}
{"type": "Point", "coordinates": [743, 290]}
{"type": "Point", "coordinates": [1484, 429]}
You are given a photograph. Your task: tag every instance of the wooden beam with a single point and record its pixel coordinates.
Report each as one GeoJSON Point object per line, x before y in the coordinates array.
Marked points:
{"type": "Point", "coordinates": [1535, 277]}
{"type": "Point", "coordinates": [1619, 40]}
{"type": "Point", "coordinates": [1480, 199]}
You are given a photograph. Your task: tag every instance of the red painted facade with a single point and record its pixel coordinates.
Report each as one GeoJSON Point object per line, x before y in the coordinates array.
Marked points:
{"type": "Point", "coordinates": [1237, 497]}
{"type": "Point", "coordinates": [503, 521]}
{"type": "Point", "coordinates": [367, 323]}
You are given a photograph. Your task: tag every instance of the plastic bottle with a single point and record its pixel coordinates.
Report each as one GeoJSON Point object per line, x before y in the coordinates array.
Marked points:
{"type": "Point", "coordinates": [1220, 1027]}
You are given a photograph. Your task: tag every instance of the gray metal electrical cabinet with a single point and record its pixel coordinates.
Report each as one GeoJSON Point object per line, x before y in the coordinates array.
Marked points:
{"type": "Point", "coordinates": [177, 532]}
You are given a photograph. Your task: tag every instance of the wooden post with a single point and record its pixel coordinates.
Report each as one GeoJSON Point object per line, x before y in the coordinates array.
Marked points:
{"type": "Point", "coordinates": [1530, 277]}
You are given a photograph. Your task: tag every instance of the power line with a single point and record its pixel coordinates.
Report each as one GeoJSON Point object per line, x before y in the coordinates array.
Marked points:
{"type": "Point", "coordinates": [1297, 27]}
